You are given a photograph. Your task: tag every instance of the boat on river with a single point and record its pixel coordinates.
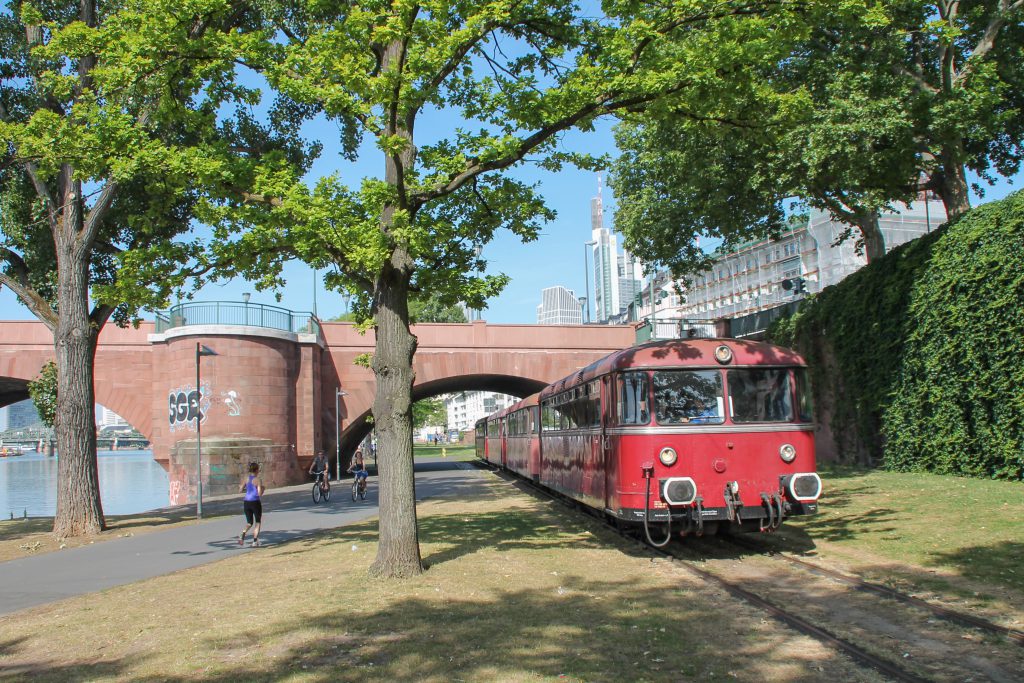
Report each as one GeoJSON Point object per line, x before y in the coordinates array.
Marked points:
{"type": "Point", "coordinates": [10, 451]}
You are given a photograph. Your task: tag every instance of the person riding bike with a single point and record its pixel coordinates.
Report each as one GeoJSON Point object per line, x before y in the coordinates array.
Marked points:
{"type": "Point", "coordinates": [320, 468]}
{"type": "Point", "coordinates": [358, 468]}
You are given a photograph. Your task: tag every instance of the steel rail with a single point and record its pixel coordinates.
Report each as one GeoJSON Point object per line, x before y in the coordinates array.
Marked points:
{"type": "Point", "coordinates": [868, 587]}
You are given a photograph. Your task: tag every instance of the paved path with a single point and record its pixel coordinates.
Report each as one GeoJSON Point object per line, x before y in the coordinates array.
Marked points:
{"type": "Point", "coordinates": [288, 514]}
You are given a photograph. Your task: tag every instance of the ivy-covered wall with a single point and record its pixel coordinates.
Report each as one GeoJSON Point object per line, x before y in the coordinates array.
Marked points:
{"type": "Point", "coordinates": [918, 359]}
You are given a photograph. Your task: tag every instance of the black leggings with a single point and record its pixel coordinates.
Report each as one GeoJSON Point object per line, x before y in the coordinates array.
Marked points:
{"type": "Point", "coordinates": [253, 510]}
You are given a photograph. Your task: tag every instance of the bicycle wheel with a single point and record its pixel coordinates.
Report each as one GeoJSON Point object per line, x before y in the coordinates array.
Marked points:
{"type": "Point", "coordinates": [355, 489]}
{"type": "Point", "coordinates": [316, 492]}
{"type": "Point", "coordinates": [362, 492]}
{"type": "Point", "coordinates": [327, 492]}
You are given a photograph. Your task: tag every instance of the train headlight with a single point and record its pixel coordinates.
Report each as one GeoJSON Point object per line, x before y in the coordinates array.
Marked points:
{"type": "Point", "coordinates": [723, 354]}
{"type": "Point", "coordinates": [804, 487]}
{"type": "Point", "coordinates": [668, 456]}
{"type": "Point", "coordinates": [787, 453]}
{"type": "Point", "coordinates": [678, 491]}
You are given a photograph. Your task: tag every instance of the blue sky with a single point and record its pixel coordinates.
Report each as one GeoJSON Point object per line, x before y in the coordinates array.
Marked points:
{"type": "Point", "coordinates": [556, 258]}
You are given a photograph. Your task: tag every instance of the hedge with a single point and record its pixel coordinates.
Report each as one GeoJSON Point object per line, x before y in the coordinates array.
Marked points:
{"type": "Point", "coordinates": [920, 355]}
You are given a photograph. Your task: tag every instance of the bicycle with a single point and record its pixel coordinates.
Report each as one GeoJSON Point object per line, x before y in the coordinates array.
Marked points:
{"type": "Point", "coordinates": [359, 488]}
{"type": "Point", "coordinates": [321, 488]}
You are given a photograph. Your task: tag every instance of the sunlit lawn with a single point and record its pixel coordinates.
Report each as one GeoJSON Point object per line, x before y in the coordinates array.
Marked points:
{"type": "Point", "coordinates": [952, 526]}
{"type": "Point", "coordinates": [518, 589]}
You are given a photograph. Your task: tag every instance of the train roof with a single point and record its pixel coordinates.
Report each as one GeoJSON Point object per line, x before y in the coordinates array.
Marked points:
{"type": "Point", "coordinates": [531, 400]}
{"type": "Point", "coordinates": [677, 353]}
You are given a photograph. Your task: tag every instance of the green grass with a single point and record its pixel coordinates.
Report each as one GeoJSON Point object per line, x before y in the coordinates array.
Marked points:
{"type": "Point", "coordinates": [970, 528]}
{"type": "Point", "coordinates": [452, 452]}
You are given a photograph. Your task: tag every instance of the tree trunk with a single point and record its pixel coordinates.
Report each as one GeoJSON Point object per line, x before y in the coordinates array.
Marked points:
{"type": "Point", "coordinates": [950, 182]}
{"type": "Point", "coordinates": [398, 553]}
{"type": "Point", "coordinates": [79, 510]}
{"type": "Point", "coordinates": [874, 241]}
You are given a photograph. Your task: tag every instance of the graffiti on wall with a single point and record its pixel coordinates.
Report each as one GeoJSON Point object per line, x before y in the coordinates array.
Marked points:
{"type": "Point", "coordinates": [188, 406]}
{"type": "Point", "coordinates": [233, 401]}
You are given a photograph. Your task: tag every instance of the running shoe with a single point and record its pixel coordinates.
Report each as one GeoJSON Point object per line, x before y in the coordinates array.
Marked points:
{"type": "Point", "coordinates": [241, 539]}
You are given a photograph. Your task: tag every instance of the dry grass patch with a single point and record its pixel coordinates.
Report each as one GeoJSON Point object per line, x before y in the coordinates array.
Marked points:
{"type": "Point", "coordinates": [516, 590]}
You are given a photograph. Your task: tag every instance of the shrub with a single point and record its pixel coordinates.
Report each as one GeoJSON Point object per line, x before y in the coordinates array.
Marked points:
{"type": "Point", "coordinates": [920, 355]}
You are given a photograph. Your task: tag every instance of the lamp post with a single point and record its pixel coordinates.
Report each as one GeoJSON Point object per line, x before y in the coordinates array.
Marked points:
{"type": "Point", "coordinates": [200, 352]}
{"type": "Point", "coordinates": [245, 300]}
{"type": "Point", "coordinates": [586, 276]}
{"type": "Point", "coordinates": [583, 308]}
{"type": "Point", "coordinates": [346, 296]}
{"type": "Point", "coordinates": [338, 393]}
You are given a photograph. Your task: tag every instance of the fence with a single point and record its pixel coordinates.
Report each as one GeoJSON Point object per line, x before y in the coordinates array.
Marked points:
{"type": "Point", "coordinates": [237, 313]}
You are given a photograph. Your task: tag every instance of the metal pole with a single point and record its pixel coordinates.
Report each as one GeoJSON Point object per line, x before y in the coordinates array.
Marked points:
{"type": "Point", "coordinates": [654, 319]}
{"type": "Point", "coordinates": [337, 434]}
{"type": "Point", "coordinates": [199, 442]}
{"type": "Point", "coordinates": [586, 276]}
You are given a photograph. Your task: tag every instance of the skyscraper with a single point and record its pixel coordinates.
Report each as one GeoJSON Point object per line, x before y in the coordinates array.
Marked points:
{"type": "Point", "coordinates": [559, 306]}
{"type": "Point", "coordinates": [22, 414]}
{"type": "Point", "coordinates": [616, 278]}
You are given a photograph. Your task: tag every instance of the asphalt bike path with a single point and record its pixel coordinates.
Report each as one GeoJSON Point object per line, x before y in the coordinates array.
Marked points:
{"type": "Point", "coordinates": [288, 514]}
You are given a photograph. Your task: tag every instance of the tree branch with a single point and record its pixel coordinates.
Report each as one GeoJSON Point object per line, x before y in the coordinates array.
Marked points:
{"type": "Point", "coordinates": [19, 284]}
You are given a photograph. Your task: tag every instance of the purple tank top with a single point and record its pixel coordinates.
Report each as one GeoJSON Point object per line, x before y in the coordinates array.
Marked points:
{"type": "Point", "coordinates": [251, 492]}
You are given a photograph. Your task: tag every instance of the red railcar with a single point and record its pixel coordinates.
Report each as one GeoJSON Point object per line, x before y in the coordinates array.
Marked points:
{"type": "Point", "coordinates": [686, 433]}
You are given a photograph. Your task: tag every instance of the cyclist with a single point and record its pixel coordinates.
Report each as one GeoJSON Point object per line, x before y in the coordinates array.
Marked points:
{"type": "Point", "coordinates": [358, 468]}
{"type": "Point", "coordinates": [320, 468]}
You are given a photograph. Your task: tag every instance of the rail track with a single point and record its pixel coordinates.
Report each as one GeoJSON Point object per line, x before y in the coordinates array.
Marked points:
{"type": "Point", "coordinates": [859, 584]}
{"type": "Point", "coordinates": [862, 655]}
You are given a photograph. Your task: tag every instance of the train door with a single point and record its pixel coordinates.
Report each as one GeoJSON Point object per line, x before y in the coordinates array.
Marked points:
{"type": "Point", "coordinates": [608, 463]}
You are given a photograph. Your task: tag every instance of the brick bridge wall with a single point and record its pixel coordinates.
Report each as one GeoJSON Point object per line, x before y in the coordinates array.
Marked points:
{"type": "Point", "coordinates": [270, 395]}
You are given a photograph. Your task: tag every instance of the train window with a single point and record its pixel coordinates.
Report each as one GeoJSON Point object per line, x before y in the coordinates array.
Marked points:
{"type": "Point", "coordinates": [535, 420]}
{"type": "Point", "coordinates": [760, 395]}
{"type": "Point", "coordinates": [804, 398]}
{"type": "Point", "coordinates": [688, 397]}
{"type": "Point", "coordinates": [549, 417]}
{"type": "Point", "coordinates": [631, 398]}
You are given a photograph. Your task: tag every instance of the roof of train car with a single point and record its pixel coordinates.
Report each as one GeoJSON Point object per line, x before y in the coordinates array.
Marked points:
{"type": "Point", "coordinates": [677, 353]}
{"type": "Point", "coordinates": [531, 400]}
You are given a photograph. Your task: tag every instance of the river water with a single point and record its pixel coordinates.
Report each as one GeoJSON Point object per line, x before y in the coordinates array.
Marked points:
{"type": "Point", "coordinates": [130, 481]}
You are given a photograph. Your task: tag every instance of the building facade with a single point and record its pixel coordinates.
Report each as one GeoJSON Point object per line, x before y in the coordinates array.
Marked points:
{"type": "Point", "coordinates": [22, 415]}
{"type": "Point", "coordinates": [466, 407]}
{"type": "Point", "coordinates": [754, 277]}
{"type": "Point", "coordinates": [559, 306]}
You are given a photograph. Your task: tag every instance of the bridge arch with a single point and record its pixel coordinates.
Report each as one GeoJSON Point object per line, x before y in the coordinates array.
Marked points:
{"type": "Point", "coordinates": [519, 387]}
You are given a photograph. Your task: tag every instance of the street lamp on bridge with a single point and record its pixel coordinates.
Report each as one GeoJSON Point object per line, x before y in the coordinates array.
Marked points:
{"type": "Point", "coordinates": [338, 393]}
{"type": "Point", "coordinates": [200, 352]}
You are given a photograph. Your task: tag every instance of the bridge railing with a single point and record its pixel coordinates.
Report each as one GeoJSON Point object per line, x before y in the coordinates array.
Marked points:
{"type": "Point", "coordinates": [675, 328]}
{"type": "Point", "coordinates": [237, 313]}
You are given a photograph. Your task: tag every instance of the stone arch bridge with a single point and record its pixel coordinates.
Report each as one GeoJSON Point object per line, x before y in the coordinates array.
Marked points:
{"type": "Point", "coordinates": [270, 394]}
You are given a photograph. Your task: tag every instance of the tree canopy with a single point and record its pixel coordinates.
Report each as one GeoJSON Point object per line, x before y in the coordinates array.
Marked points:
{"type": "Point", "coordinates": [875, 104]}
{"type": "Point", "coordinates": [500, 84]}
{"type": "Point", "coordinates": [120, 124]}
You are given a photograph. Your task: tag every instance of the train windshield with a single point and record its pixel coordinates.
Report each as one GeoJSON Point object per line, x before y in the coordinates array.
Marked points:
{"type": "Point", "coordinates": [688, 397]}
{"type": "Point", "coordinates": [804, 399]}
{"type": "Point", "coordinates": [760, 395]}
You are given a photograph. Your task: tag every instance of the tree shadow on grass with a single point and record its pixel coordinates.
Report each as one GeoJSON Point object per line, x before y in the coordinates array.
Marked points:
{"type": "Point", "coordinates": [590, 630]}
{"type": "Point", "coordinates": [998, 564]}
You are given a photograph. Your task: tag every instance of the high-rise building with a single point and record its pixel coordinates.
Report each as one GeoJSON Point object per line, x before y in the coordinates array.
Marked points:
{"type": "Point", "coordinates": [559, 306]}
{"type": "Point", "coordinates": [466, 407]}
{"type": "Point", "coordinates": [108, 418]}
{"type": "Point", "coordinates": [616, 277]}
{"type": "Point", "coordinates": [22, 415]}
